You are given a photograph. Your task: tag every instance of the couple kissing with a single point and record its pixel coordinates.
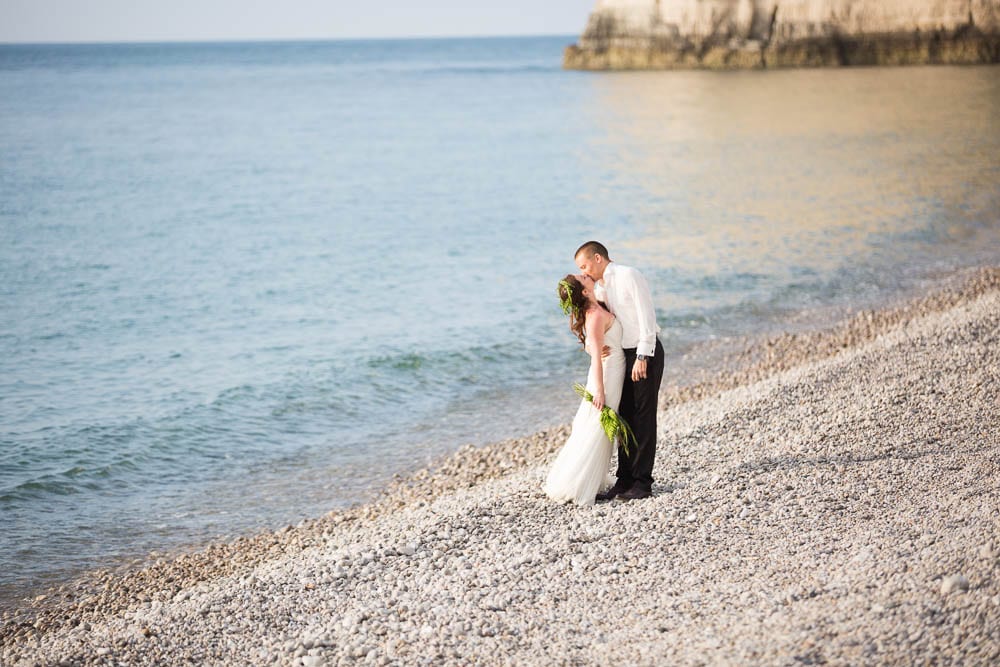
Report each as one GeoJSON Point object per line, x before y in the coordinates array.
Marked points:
{"type": "Point", "coordinates": [610, 308]}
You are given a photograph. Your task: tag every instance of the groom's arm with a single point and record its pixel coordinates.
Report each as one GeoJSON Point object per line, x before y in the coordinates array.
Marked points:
{"type": "Point", "coordinates": [643, 300]}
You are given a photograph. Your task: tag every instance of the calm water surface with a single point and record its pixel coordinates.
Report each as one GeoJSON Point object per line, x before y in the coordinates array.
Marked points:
{"type": "Point", "coordinates": [241, 284]}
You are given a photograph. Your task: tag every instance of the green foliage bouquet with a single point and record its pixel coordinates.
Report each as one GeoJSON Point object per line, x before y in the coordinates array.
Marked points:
{"type": "Point", "coordinates": [616, 428]}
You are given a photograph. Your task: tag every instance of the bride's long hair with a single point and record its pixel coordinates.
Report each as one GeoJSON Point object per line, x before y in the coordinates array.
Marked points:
{"type": "Point", "coordinates": [574, 304]}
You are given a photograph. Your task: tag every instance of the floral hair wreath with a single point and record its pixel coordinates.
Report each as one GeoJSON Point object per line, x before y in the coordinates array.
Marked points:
{"type": "Point", "coordinates": [567, 303]}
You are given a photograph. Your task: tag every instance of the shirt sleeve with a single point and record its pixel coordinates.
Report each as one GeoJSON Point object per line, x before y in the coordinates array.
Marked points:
{"type": "Point", "coordinates": [646, 314]}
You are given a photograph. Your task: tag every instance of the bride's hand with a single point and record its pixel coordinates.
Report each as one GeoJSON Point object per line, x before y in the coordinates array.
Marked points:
{"type": "Point", "coordinates": [598, 400]}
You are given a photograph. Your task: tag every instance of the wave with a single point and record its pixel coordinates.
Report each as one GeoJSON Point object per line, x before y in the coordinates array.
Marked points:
{"type": "Point", "coordinates": [319, 409]}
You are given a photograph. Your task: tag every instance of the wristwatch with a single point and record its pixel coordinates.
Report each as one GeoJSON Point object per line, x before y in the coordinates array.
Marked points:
{"type": "Point", "coordinates": [641, 357]}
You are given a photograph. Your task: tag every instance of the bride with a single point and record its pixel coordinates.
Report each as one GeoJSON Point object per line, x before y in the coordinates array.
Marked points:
{"type": "Point", "coordinates": [581, 467]}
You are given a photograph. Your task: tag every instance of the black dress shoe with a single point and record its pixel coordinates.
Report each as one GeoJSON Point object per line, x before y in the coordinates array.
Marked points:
{"type": "Point", "coordinates": [612, 492]}
{"type": "Point", "coordinates": [637, 492]}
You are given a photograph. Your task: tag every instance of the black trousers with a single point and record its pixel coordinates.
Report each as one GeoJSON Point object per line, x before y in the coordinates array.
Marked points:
{"type": "Point", "coordinates": [638, 408]}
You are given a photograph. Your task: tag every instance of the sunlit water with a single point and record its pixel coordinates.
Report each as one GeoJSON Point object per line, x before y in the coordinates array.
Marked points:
{"type": "Point", "coordinates": [243, 284]}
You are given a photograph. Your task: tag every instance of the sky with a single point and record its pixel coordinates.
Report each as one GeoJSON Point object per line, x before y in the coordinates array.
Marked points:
{"type": "Point", "coordinates": [198, 20]}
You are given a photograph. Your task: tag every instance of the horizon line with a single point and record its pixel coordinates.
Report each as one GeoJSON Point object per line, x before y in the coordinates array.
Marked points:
{"type": "Point", "coordinates": [275, 40]}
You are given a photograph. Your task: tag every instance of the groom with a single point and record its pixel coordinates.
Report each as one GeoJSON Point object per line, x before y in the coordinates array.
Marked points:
{"type": "Point", "coordinates": [627, 295]}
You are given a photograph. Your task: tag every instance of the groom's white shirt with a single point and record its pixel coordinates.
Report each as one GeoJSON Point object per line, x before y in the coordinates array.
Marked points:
{"type": "Point", "coordinates": [627, 294]}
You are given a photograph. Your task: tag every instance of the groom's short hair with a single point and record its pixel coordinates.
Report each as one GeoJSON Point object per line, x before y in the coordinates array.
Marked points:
{"type": "Point", "coordinates": [591, 248]}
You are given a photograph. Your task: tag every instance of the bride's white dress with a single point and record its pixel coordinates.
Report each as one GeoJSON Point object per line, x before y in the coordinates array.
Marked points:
{"type": "Point", "coordinates": [581, 467]}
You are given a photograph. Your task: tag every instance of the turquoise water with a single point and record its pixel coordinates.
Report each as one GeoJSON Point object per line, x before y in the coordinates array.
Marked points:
{"type": "Point", "coordinates": [242, 284]}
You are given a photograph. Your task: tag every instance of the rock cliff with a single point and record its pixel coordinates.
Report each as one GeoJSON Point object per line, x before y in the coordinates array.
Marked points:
{"type": "Point", "coordinates": [739, 34]}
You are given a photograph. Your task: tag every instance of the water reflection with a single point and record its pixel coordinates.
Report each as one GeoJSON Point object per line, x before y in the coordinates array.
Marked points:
{"type": "Point", "coordinates": [772, 178]}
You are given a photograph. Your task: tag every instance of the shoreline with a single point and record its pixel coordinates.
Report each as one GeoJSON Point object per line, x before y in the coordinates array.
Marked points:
{"type": "Point", "coordinates": [695, 368]}
{"type": "Point", "coordinates": [102, 603]}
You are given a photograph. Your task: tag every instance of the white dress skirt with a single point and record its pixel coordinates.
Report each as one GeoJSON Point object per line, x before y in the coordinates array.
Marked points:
{"type": "Point", "coordinates": [581, 468]}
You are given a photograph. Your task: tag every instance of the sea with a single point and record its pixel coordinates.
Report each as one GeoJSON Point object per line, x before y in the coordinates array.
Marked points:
{"type": "Point", "coordinates": [242, 284]}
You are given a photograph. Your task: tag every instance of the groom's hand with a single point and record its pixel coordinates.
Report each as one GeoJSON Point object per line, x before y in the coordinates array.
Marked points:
{"type": "Point", "coordinates": [605, 352]}
{"type": "Point", "coordinates": [639, 370]}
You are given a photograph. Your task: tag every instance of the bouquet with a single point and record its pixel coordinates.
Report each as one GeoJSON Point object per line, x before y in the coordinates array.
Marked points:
{"type": "Point", "coordinates": [614, 426]}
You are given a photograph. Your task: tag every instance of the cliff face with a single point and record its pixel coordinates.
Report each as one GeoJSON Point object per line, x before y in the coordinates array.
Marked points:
{"type": "Point", "coordinates": [722, 34]}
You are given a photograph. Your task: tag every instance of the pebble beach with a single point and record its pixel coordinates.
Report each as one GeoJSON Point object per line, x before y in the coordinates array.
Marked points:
{"type": "Point", "coordinates": [828, 497]}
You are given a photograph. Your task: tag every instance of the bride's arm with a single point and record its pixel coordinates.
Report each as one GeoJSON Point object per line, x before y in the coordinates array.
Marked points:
{"type": "Point", "coordinates": [595, 334]}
